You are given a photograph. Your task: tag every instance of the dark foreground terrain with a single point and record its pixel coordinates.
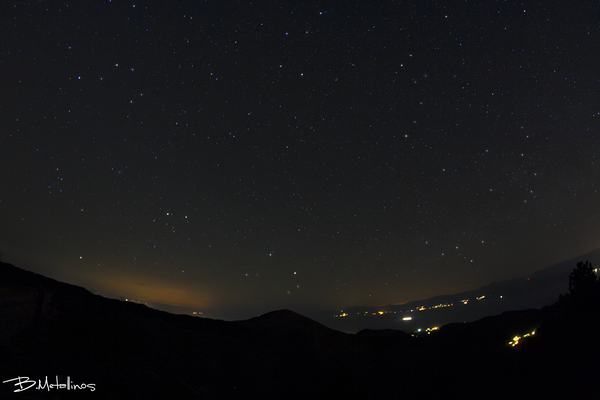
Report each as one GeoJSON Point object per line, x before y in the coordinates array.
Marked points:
{"type": "Point", "coordinates": [128, 351]}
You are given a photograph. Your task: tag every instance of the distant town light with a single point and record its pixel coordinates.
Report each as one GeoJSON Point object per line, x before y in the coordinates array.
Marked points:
{"type": "Point", "coordinates": [407, 319]}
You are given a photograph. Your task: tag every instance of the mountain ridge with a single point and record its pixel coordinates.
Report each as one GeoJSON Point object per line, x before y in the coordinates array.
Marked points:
{"type": "Point", "coordinates": [128, 350]}
{"type": "Point", "coordinates": [540, 289]}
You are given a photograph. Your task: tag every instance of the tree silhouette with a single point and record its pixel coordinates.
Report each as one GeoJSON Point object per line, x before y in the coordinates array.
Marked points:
{"type": "Point", "coordinates": [583, 283]}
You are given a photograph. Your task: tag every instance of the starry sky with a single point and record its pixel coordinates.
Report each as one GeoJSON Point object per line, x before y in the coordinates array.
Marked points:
{"type": "Point", "coordinates": [242, 157]}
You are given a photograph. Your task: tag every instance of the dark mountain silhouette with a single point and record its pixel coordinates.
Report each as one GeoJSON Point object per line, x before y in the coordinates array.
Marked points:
{"type": "Point", "coordinates": [537, 290]}
{"type": "Point", "coordinates": [127, 350]}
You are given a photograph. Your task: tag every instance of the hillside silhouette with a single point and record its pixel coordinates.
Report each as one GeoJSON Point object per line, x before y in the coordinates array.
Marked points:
{"type": "Point", "coordinates": [127, 350]}
{"type": "Point", "coordinates": [534, 291]}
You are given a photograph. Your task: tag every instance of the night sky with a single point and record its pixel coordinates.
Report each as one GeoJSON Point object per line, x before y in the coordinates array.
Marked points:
{"type": "Point", "coordinates": [239, 158]}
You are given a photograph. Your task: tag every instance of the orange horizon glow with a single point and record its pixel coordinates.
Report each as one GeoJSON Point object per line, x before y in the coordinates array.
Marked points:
{"type": "Point", "coordinates": [152, 290]}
